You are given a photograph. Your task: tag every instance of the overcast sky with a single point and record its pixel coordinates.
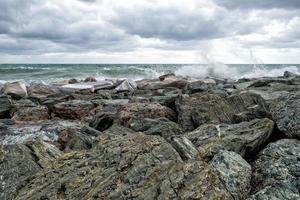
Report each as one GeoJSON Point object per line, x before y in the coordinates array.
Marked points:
{"type": "Point", "coordinates": [149, 31]}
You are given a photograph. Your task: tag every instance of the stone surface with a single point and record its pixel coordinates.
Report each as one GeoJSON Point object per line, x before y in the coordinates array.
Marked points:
{"type": "Point", "coordinates": [74, 109]}
{"type": "Point", "coordinates": [184, 147]}
{"type": "Point", "coordinates": [127, 166]}
{"type": "Point", "coordinates": [15, 89]}
{"type": "Point", "coordinates": [126, 85]}
{"type": "Point", "coordinates": [234, 172]}
{"type": "Point", "coordinates": [285, 112]}
{"type": "Point", "coordinates": [143, 110]}
{"type": "Point", "coordinates": [199, 109]}
{"type": "Point", "coordinates": [41, 90]}
{"type": "Point", "coordinates": [72, 139]}
{"type": "Point", "coordinates": [277, 163]}
{"type": "Point", "coordinates": [245, 138]}
{"type": "Point", "coordinates": [90, 79]}
{"type": "Point", "coordinates": [37, 113]}
{"type": "Point", "coordinates": [16, 164]}
{"type": "Point", "coordinates": [102, 121]}
{"type": "Point", "coordinates": [5, 106]}
{"type": "Point", "coordinates": [167, 81]}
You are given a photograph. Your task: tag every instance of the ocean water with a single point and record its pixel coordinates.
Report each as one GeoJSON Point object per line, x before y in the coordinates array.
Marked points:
{"type": "Point", "coordinates": [57, 72]}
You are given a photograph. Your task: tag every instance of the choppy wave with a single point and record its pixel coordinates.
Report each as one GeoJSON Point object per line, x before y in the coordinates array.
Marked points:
{"type": "Point", "coordinates": [49, 73]}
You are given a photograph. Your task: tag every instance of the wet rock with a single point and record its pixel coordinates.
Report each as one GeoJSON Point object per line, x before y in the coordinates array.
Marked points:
{"type": "Point", "coordinates": [234, 172]}
{"type": "Point", "coordinates": [245, 138]}
{"type": "Point", "coordinates": [288, 74]}
{"type": "Point", "coordinates": [37, 113]}
{"type": "Point", "coordinates": [90, 79]}
{"type": "Point", "coordinates": [166, 76]}
{"type": "Point", "coordinates": [199, 108]}
{"type": "Point", "coordinates": [277, 163]}
{"type": "Point", "coordinates": [41, 91]}
{"type": "Point", "coordinates": [16, 164]}
{"type": "Point", "coordinates": [126, 85]}
{"type": "Point", "coordinates": [285, 112]}
{"type": "Point", "coordinates": [74, 109]}
{"type": "Point", "coordinates": [15, 89]}
{"type": "Point", "coordinates": [143, 110]}
{"type": "Point", "coordinates": [102, 121]}
{"type": "Point", "coordinates": [73, 80]}
{"type": "Point", "coordinates": [278, 191]}
{"type": "Point", "coordinates": [160, 126]}
{"type": "Point", "coordinates": [44, 153]}
{"type": "Point", "coordinates": [5, 106]}
{"type": "Point", "coordinates": [126, 167]}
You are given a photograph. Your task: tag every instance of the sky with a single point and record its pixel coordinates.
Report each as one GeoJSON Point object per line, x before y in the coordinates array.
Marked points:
{"type": "Point", "coordinates": [150, 31]}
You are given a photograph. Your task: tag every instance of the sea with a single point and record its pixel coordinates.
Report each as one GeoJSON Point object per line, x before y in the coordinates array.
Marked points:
{"type": "Point", "coordinates": [56, 72]}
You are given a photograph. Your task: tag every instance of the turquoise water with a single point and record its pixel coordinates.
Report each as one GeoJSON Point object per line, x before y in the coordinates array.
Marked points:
{"type": "Point", "coordinates": [54, 72]}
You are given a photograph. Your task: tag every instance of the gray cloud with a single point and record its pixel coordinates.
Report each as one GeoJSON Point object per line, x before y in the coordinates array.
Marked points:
{"type": "Point", "coordinates": [260, 4]}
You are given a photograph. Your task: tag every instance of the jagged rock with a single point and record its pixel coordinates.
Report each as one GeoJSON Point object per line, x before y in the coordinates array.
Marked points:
{"type": "Point", "coordinates": [90, 79]}
{"type": "Point", "coordinates": [143, 110]}
{"type": "Point", "coordinates": [166, 76]}
{"type": "Point", "coordinates": [5, 106]}
{"type": "Point", "coordinates": [90, 86]}
{"type": "Point", "coordinates": [74, 109]}
{"type": "Point", "coordinates": [199, 109]}
{"type": "Point", "coordinates": [45, 153]}
{"type": "Point", "coordinates": [159, 126]}
{"type": "Point", "coordinates": [90, 131]}
{"type": "Point", "coordinates": [126, 85]}
{"type": "Point", "coordinates": [37, 113]}
{"type": "Point", "coordinates": [126, 166]}
{"type": "Point", "coordinates": [102, 121]}
{"type": "Point", "coordinates": [16, 164]}
{"type": "Point", "coordinates": [15, 89]}
{"type": "Point", "coordinates": [245, 138]}
{"type": "Point", "coordinates": [201, 86]}
{"type": "Point", "coordinates": [234, 172]}
{"type": "Point", "coordinates": [277, 163]}
{"type": "Point", "coordinates": [285, 111]}
{"type": "Point", "coordinates": [277, 191]}
{"type": "Point", "coordinates": [167, 81]}
{"type": "Point", "coordinates": [71, 139]}
{"type": "Point", "coordinates": [184, 147]}
{"type": "Point", "coordinates": [41, 91]}
{"type": "Point", "coordinates": [21, 133]}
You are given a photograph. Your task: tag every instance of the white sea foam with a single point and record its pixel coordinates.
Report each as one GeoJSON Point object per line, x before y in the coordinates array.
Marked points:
{"type": "Point", "coordinates": [262, 71]}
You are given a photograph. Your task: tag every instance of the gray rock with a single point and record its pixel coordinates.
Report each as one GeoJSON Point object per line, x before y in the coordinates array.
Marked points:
{"type": "Point", "coordinates": [90, 79]}
{"type": "Point", "coordinates": [16, 164]}
{"type": "Point", "coordinates": [126, 85]}
{"type": "Point", "coordinates": [41, 91]}
{"type": "Point", "coordinates": [234, 172]}
{"type": "Point", "coordinates": [74, 109]}
{"type": "Point", "coordinates": [72, 139]}
{"type": "Point", "coordinates": [102, 121]}
{"type": "Point", "coordinates": [277, 191]}
{"type": "Point", "coordinates": [127, 166]}
{"type": "Point", "coordinates": [285, 111]}
{"type": "Point", "coordinates": [37, 113]}
{"type": "Point", "coordinates": [15, 89]}
{"type": "Point", "coordinates": [245, 138]}
{"type": "Point", "coordinates": [277, 163]}
{"type": "Point", "coordinates": [184, 147]}
{"type": "Point", "coordinates": [5, 106]}
{"type": "Point", "coordinates": [288, 74]}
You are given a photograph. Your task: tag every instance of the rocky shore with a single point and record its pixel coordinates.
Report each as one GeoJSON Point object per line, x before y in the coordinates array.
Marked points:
{"type": "Point", "coordinates": [167, 138]}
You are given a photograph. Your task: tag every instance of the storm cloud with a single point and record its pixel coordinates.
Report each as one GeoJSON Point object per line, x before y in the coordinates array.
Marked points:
{"type": "Point", "coordinates": [113, 27]}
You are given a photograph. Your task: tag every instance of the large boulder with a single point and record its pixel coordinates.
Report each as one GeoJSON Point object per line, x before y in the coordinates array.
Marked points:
{"type": "Point", "coordinates": [15, 89]}
{"type": "Point", "coordinates": [143, 110]}
{"type": "Point", "coordinates": [163, 82]}
{"type": "Point", "coordinates": [74, 109]}
{"type": "Point", "coordinates": [285, 112]}
{"type": "Point", "coordinates": [36, 113]}
{"type": "Point", "coordinates": [234, 172]}
{"type": "Point", "coordinates": [41, 90]}
{"type": "Point", "coordinates": [16, 164]}
{"type": "Point", "coordinates": [5, 106]}
{"type": "Point", "coordinates": [126, 166]}
{"type": "Point", "coordinates": [278, 163]}
{"type": "Point", "coordinates": [245, 138]}
{"type": "Point", "coordinates": [203, 108]}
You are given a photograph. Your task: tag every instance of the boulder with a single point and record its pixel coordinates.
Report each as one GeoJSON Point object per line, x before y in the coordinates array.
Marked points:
{"type": "Point", "coordinates": [90, 79]}
{"type": "Point", "coordinates": [74, 109]}
{"type": "Point", "coordinates": [143, 110]}
{"type": "Point", "coordinates": [72, 139]}
{"type": "Point", "coordinates": [15, 89]}
{"type": "Point", "coordinates": [245, 138]}
{"type": "Point", "coordinates": [201, 86]}
{"type": "Point", "coordinates": [203, 108]}
{"type": "Point", "coordinates": [91, 86]}
{"type": "Point", "coordinates": [285, 112]}
{"type": "Point", "coordinates": [37, 113]}
{"type": "Point", "coordinates": [234, 172]}
{"type": "Point", "coordinates": [277, 163]}
{"type": "Point", "coordinates": [184, 147]}
{"type": "Point", "coordinates": [126, 85]}
{"type": "Point", "coordinates": [41, 90]}
{"type": "Point", "coordinates": [17, 163]}
{"type": "Point", "coordinates": [5, 106]}
{"type": "Point", "coordinates": [128, 166]}
{"type": "Point", "coordinates": [278, 191]}
{"type": "Point", "coordinates": [159, 126]}
{"type": "Point", "coordinates": [288, 74]}
{"type": "Point", "coordinates": [73, 80]}
{"type": "Point", "coordinates": [165, 82]}
{"type": "Point", "coordinates": [102, 121]}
